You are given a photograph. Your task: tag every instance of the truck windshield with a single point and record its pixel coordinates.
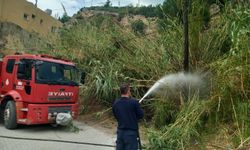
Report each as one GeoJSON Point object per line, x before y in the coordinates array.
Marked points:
{"type": "Point", "coordinates": [55, 73]}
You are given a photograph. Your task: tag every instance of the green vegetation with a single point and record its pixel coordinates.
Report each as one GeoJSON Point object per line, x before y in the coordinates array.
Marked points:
{"type": "Point", "coordinates": [138, 27]}
{"type": "Point", "coordinates": [64, 18]}
{"type": "Point", "coordinates": [107, 4]}
{"type": "Point", "coordinates": [147, 11]}
{"type": "Point", "coordinates": [219, 46]}
{"type": "Point", "coordinates": [183, 130]}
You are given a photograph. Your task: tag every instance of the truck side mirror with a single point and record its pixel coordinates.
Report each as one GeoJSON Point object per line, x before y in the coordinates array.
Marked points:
{"type": "Point", "coordinates": [82, 77]}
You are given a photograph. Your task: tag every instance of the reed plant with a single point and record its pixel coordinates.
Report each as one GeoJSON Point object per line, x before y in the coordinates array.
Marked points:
{"type": "Point", "coordinates": [184, 130]}
{"type": "Point", "coordinates": [111, 54]}
{"type": "Point", "coordinates": [223, 50]}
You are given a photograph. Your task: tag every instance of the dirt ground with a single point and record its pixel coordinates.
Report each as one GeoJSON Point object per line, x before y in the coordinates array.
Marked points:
{"type": "Point", "coordinates": [102, 118]}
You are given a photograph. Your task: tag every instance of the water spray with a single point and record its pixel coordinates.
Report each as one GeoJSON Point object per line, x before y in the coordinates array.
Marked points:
{"type": "Point", "coordinates": [171, 85]}
{"type": "Point", "coordinates": [178, 82]}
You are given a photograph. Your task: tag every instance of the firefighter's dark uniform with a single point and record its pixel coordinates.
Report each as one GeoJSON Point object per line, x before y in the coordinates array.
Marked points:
{"type": "Point", "coordinates": [127, 112]}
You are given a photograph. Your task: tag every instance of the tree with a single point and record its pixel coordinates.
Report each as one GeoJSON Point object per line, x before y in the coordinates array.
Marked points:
{"type": "Point", "coordinates": [172, 8]}
{"type": "Point", "coordinates": [107, 4]}
{"type": "Point", "coordinates": [64, 18]}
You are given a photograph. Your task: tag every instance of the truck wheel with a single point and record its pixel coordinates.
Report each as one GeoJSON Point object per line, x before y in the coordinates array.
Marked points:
{"type": "Point", "coordinates": [1, 114]}
{"type": "Point", "coordinates": [10, 115]}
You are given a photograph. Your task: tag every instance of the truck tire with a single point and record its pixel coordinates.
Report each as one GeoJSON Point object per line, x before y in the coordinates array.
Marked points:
{"type": "Point", "coordinates": [1, 114]}
{"type": "Point", "coordinates": [10, 115]}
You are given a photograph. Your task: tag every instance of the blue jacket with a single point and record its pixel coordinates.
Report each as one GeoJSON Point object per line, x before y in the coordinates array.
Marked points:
{"type": "Point", "coordinates": [127, 112]}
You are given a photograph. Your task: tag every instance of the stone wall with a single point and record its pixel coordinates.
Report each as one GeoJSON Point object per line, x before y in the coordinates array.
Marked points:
{"type": "Point", "coordinates": [15, 39]}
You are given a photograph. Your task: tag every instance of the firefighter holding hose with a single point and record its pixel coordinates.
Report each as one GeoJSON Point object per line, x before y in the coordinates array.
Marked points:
{"type": "Point", "coordinates": [127, 112]}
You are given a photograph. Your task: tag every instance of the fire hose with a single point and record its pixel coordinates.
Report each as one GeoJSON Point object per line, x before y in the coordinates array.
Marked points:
{"type": "Point", "coordinates": [65, 119]}
{"type": "Point", "coordinates": [63, 141]}
{"type": "Point", "coordinates": [60, 141]}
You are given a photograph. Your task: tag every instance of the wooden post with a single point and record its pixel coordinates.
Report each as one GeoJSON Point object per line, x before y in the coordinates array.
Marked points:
{"type": "Point", "coordinates": [186, 38]}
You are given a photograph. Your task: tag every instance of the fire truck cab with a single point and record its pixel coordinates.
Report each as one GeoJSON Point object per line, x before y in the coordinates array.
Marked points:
{"type": "Point", "coordinates": [35, 88]}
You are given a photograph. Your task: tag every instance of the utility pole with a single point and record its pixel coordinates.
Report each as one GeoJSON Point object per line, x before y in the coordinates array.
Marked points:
{"type": "Point", "coordinates": [64, 9]}
{"type": "Point", "coordinates": [186, 39]}
{"type": "Point", "coordinates": [36, 3]}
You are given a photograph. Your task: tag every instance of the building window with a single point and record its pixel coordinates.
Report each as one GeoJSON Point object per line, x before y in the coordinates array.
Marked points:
{"type": "Point", "coordinates": [26, 17]}
{"type": "Point", "coordinates": [33, 16]}
{"type": "Point", "coordinates": [41, 21]}
{"type": "Point", "coordinates": [53, 29]}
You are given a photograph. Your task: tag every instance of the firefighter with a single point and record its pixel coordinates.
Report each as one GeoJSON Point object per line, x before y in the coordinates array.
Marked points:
{"type": "Point", "coordinates": [127, 112]}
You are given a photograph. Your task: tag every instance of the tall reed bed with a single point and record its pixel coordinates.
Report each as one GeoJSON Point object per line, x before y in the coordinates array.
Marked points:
{"type": "Point", "coordinates": [111, 54]}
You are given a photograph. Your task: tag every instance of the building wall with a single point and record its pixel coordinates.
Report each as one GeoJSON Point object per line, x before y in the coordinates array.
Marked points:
{"type": "Point", "coordinates": [27, 16]}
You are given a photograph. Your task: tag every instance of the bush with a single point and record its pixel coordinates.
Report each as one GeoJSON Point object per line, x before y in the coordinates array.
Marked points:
{"type": "Point", "coordinates": [65, 18]}
{"type": "Point", "coordinates": [138, 27]}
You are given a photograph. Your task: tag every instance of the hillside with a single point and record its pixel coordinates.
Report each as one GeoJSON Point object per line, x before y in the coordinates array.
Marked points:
{"type": "Point", "coordinates": [13, 38]}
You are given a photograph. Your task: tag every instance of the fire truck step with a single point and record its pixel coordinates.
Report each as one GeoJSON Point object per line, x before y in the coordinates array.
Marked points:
{"type": "Point", "coordinates": [22, 120]}
{"type": "Point", "coordinates": [24, 109]}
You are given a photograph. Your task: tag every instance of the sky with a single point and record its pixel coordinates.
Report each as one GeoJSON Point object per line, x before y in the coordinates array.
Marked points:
{"type": "Point", "coordinates": [72, 6]}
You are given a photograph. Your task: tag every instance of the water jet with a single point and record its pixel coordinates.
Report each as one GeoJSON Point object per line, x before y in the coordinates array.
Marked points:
{"type": "Point", "coordinates": [174, 84]}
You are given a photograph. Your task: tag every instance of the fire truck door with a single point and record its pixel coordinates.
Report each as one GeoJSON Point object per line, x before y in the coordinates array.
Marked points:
{"type": "Point", "coordinates": [7, 75]}
{"type": "Point", "coordinates": [23, 78]}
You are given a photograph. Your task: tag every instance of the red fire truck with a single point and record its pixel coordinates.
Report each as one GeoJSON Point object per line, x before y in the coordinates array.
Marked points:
{"type": "Point", "coordinates": [35, 88]}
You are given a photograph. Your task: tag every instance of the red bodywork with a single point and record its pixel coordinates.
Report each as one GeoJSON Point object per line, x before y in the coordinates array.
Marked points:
{"type": "Point", "coordinates": [44, 101]}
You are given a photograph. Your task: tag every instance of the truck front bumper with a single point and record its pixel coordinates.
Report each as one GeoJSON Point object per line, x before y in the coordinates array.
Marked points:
{"type": "Point", "coordinates": [44, 113]}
